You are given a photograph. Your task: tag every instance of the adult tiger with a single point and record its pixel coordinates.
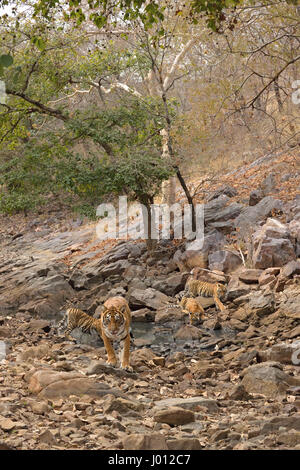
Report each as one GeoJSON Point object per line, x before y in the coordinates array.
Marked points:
{"type": "Point", "coordinates": [115, 322]}
{"type": "Point", "coordinates": [113, 325]}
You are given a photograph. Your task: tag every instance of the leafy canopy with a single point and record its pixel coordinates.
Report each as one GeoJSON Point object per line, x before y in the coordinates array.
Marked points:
{"type": "Point", "coordinates": [149, 12]}
{"type": "Point", "coordinates": [41, 151]}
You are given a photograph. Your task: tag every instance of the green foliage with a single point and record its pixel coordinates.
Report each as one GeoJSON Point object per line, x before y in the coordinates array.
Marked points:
{"type": "Point", "coordinates": [27, 181]}
{"type": "Point", "coordinates": [138, 174]}
{"type": "Point", "coordinates": [149, 12]}
{"type": "Point", "coordinates": [6, 60]}
{"type": "Point", "coordinates": [40, 154]}
{"type": "Point", "coordinates": [48, 164]}
{"type": "Point", "coordinates": [85, 209]}
{"type": "Point", "coordinates": [14, 201]}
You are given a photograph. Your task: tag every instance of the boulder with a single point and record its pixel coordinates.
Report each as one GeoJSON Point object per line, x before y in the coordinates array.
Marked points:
{"type": "Point", "coordinates": [4, 446]}
{"type": "Point", "coordinates": [42, 296]}
{"type": "Point", "coordinates": [294, 333]}
{"type": "Point", "coordinates": [34, 352]}
{"type": "Point", "coordinates": [275, 252]}
{"type": "Point", "coordinates": [267, 379]}
{"type": "Point", "coordinates": [225, 189]}
{"type": "Point", "coordinates": [272, 246]}
{"type": "Point", "coordinates": [289, 439]}
{"type": "Point", "coordinates": [5, 332]}
{"type": "Point", "coordinates": [37, 325]}
{"type": "Point", "coordinates": [203, 369]}
{"type": "Point", "coordinates": [239, 393]}
{"type": "Point", "coordinates": [236, 324]}
{"type": "Point", "coordinates": [6, 424]}
{"type": "Point", "coordinates": [184, 444]}
{"type": "Point", "coordinates": [250, 276]}
{"type": "Point", "coordinates": [134, 271]}
{"type": "Point", "coordinates": [172, 284]}
{"type": "Point", "coordinates": [50, 285]}
{"type": "Point", "coordinates": [190, 259]}
{"type": "Point", "coordinates": [100, 367]}
{"type": "Point", "coordinates": [285, 353]}
{"type": "Point", "coordinates": [218, 210]}
{"type": "Point", "coordinates": [123, 406]}
{"type": "Point", "coordinates": [223, 226]}
{"type": "Point", "coordinates": [113, 269]}
{"type": "Point", "coordinates": [287, 422]}
{"type": "Point", "coordinates": [262, 303]}
{"type": "Point", "coordinates": [142, 356]}
{"type": "Point", "coordinates": [52, 384]}
{"type": "Point", "coordinates": [188, 332]}
{"type": "Point", "coordinates": [171, 312]}
{"type": "Point", "coordinates": [145, 442]}
{"type": "Point", "coordinates": [237, 288]}
{"type": "Point", "coordinates": [213, 207]}
{"type": "Point", "coordinates": [290, 269]}
{"type": "Point", "coordinates": [78, 280]}
{"type": "Point", "coordinates": [290, 306]}
{"type": "Point", "coordinates": [250, 216]}
{"type": "Point", "coordinates": [217, 218]}
{"type": "Point", "coordinates": [39, 408]}
{"type": "Point", "coordinates": [119, 252]}
{"type": "Point", "coordinates": [175, 283]}
{"type": "Point", "coordinates": [174, 416]}
{"type": "Point", "coordinates": [294, 228]}
{"type": "Point", "coordinates": [209, 276]}
{"type": "Point", "coordinates": [193, 403]}
{"type": "Point", "coordinates": [143, 315]}
{"type": "Point", "coordinates": [268, 277]}
{"type": "Point", "coordinates": [255, 197]}
{"type": "Point", "coordinates": [220, 435]}
{"type": "Point", "coordinates": [213, 240]}
{"type": "Point", "coordinates": [226, 261]}
{"type": "Point", "coordinates": [150, 298]}
{"type": "Point", "coordinates": [46, 437]}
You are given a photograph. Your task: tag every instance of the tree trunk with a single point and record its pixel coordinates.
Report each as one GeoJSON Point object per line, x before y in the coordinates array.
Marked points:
{"type": "Point", "coordinates": [151, 243]}
{"type": "Point", "coordinates": [168, 152]}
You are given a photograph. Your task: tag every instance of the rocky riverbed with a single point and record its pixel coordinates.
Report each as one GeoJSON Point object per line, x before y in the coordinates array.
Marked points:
{"type": "Point", "coordinates": [229, 382]}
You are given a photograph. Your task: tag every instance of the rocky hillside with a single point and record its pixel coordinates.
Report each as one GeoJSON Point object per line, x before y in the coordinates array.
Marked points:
{"type": "Point", "coordinates": [229, 382]}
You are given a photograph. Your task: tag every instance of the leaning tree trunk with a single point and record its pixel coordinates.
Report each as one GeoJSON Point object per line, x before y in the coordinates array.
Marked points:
{"type": "Point", "coordinates": [168, 188]}
{"type": "Point", "coordinates": [148, 219]}
{"type": "Point", "coordinates": [168, 152]}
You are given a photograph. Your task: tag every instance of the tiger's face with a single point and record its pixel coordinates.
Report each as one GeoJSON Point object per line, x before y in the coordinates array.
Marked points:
{"type": "Point", "coordinates": [221, 290]}
{"type": "Point", "coordinates": [114, 323]}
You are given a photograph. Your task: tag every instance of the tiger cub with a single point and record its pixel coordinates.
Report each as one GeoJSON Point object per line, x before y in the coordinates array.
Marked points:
{"type": "Point", "coordinates": [115, 322]}
{"type": "Point", "coordinates": [78, 319]}
{"type": "Point", "coordinates": [216, 290]}
{"type": "Point", "coordinates": [193, 308]}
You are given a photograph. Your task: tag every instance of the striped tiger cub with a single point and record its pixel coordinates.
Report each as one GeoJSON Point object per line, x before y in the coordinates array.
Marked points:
{"type": "Point", "coordinates": [193, 308]}
{"type": "Point", "coordinates": [78, 319]}
{"type": "Point", "coordinates": [195, 288]}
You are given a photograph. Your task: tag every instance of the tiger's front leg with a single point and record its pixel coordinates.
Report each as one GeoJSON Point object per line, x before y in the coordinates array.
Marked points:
{"type": "Point", "coordinates": [111, 357]}
{"type": "Point", "coordinates": [126, 354]}
{"type": "Point", "coordinates": [68, 335]}
{"type": "Point", "coordinates": [219, 304]}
